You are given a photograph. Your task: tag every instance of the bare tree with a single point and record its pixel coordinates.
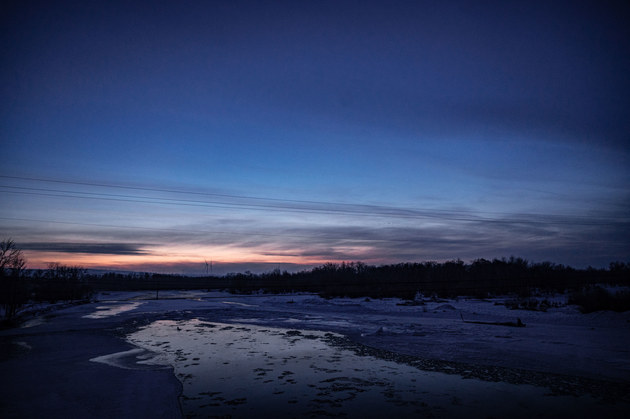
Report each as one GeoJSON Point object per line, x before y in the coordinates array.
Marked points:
{"type": "Point", "coordinates": [65, 283]}
{"type": "Point", "coordinates": [13, 290]}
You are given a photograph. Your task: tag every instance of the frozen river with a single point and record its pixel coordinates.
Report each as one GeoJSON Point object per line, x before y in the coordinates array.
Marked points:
{"type": "Point", "coordinates": [217, 355]}
{"type": "Point", "coordinates": [237, 370]}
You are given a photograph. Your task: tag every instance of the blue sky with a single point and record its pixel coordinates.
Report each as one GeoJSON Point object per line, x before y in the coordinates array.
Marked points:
{"type": "Point", "coordinates": [155, 135]}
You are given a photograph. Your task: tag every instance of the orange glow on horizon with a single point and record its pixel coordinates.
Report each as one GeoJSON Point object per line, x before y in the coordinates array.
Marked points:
{"type": "Point", "coordinates": [167, 259]}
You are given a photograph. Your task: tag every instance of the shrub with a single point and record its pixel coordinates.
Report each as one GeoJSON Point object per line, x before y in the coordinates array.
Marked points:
{"type": "Point", "coordinates": [597, 298]}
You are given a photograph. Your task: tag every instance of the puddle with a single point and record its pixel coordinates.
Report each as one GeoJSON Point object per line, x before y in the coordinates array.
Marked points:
{"type": "Point", "coordinates": [112, 310]}
{"type": "Point", "coordinates": [239, 370]}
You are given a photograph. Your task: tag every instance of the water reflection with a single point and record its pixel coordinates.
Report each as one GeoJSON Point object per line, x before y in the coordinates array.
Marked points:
{"type": "Point", "coordinates": [245, 371]}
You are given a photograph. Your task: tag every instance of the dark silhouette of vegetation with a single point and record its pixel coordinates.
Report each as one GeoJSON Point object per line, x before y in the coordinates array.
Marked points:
{"type": "Point", "coordinates": [61, 283]}
{"type": "Point", "coordinates": [596, 298]}
{"type": "Point", "coordinates": [13, 287]}
{"type": "Point", "coordinates": [481, 278]}
{"type": "Point", "coordinates": [19, 286]}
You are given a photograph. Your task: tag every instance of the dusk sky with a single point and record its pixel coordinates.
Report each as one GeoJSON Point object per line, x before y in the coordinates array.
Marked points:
{"type": "Point", "coordinates": [158, 135]}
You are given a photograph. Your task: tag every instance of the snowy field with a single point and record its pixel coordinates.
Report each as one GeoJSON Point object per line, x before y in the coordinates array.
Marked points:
{"type": "Point", "coordinates": [197, 354]}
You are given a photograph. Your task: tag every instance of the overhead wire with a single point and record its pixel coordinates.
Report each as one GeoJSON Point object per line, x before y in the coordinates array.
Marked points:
{"type": "Point", "coordinates": [178, 230]}
{"type": "Point", "coordinates": [236, 196]}
{"type": "Point", "coordinates": [346, 209]}
{"type": "Point", "coordinates": [275, 204]}
{"type": "Point", "coordinates": [352, 209]}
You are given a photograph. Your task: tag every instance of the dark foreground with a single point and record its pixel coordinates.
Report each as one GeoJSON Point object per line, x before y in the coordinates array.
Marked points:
{"type": "Point", "coordinates": [296, 357]}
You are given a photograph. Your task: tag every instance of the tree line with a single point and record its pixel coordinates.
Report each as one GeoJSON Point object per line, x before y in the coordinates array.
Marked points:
{"type": "Point", "coordinates": [480, 278]}
{"type": "Point", "coordinates": [18, 286]}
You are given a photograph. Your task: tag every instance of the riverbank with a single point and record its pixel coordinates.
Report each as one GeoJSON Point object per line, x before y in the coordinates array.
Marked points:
{"type": "Point", "coordinates": [50, 360]}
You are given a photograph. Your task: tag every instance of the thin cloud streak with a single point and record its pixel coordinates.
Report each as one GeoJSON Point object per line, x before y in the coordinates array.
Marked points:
{"type": "Point", "coordinates": [472, 238]}
{"type": "Point", "coordinates": [86, 248]}
{"type": "Point", "coordinates": [183, 198]}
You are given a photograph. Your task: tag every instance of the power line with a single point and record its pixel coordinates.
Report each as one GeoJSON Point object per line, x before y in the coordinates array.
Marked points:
{"type": "Point", "coordinates": [381, 211]}
{"type": "Point", "coordinates": [107, 185]}
{"type": "Point", "coordinates": [171, 230]}
{"type": "Point", "coordinates": [350, 207]}
{"type": "Point", "coordinates": [176, 230]}
{"type": "Point", "coordinates": [167, 201]}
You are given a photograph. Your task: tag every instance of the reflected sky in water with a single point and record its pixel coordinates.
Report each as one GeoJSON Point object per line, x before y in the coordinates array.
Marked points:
{"type": "Point", "coordinates": [245, 370]}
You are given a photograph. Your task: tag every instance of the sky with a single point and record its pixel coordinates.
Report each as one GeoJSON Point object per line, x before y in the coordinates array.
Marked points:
{"type": "Point", "coordinates": [163, 135]}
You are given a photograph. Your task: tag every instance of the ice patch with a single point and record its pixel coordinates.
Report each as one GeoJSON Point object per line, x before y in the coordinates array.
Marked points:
{"type": "Point", "coordinates": [108, 311]}
{"type": "Point", "coordinates": [33, 322]}
{"type": "Point", "coordinates": [133, 359]}
{"type": "Point", "coordinates": [244, 370]}
{"type": "Point", "coordinates": [238, 304]}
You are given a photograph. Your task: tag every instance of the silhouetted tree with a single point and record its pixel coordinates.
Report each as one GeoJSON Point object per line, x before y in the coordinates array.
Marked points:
{"type": "Point", "coordinates": [63, 283]}
{"type": "Point", "coordinates": [13, 287]}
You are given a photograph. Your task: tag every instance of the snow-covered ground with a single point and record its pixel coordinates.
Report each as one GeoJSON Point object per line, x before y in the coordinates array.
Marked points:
{"type": "Point", "coordinates": [119, 356]}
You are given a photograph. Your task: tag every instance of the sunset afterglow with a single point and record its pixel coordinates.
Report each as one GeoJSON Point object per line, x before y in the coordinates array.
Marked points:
{"type": "Point", "coordinates": [285, 135]}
